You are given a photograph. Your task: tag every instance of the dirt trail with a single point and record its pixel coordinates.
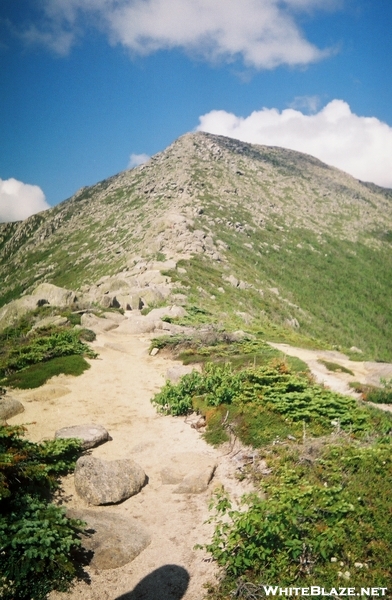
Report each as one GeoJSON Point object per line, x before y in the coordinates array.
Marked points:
{"type": "Point", "coordinates": [365, 372]}
{"type": "Point", "coordinates": [115, 392]}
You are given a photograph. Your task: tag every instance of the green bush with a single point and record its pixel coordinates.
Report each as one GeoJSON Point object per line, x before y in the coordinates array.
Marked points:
{"type": "Point", "coordinates": [271, 388]}
{"type": "Point", "coordinates": [333, 507]}
{"type": "Point", "coordinates": [37, 541]}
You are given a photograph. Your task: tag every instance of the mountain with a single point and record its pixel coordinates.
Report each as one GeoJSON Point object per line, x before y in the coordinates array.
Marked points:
{"type": "Point", "coordinates": [250, 236]}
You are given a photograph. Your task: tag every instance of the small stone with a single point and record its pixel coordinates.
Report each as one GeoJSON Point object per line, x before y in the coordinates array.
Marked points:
{"type": "Point", "coordinates": [154, 351]}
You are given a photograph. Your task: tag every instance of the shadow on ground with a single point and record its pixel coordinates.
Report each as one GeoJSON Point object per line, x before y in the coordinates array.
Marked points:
{"type": "Point", "coordinates": [169, 582]}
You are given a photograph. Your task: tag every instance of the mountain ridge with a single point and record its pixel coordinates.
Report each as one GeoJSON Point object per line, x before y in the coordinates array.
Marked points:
{"type": "Point", "coordinates": [269, 217]}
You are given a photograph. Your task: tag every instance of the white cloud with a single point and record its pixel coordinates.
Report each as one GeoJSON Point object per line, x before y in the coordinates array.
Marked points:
{"type": "Point", "coordinates": [263, 33]}
{"type": "Point", "coordinates": [137, 159]}
{"type": "Point", "coordinates": [361, 146]}
{"type": "Point", "coordinates": [20, 200]}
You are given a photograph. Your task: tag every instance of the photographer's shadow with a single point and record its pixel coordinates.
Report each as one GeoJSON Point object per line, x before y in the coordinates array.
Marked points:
{"type": "Point", "coordinates": [169, 582]}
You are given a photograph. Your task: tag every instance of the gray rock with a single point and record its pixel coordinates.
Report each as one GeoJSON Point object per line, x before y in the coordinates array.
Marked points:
{"type": "Point", "coordinates": [107, 482]}
{"type": "Point", "coordinates": [91, 435]}
{"type": "Point", "coordinates": [355, 349]}
{"type": "Point", "coordinates": [114, 539]}
{"type": "Point", "coordinates": [54, 295]}
{"type": "Point", "coordinates": [196, 482]}
{"type": "Point", "coordinates": [172, 475]}
{"type": "Point", "coordinates": [54, 321]}
{"type": "Point", "coordinates": [9, 407]}
{"type": "Point", "coordinates": [167, 311]}
{"type": "Point", "coordinates": [174, 374]}
{"type": "Point", "coordinates": [292, 323]}
{"type": "Point", "coordinates": [97, 324]}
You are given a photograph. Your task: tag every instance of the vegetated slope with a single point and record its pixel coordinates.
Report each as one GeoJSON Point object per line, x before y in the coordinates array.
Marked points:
{"type": "Point", "coordinates": [265, 233]}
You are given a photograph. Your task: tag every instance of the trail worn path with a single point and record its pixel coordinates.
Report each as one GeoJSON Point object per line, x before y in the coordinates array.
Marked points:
{"type": "Point", "coordinates": [115, 392]}
{"type": "Point", "coordinates": [365, 372]}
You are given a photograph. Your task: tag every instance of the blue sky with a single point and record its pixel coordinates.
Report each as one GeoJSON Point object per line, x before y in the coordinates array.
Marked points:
{"type": "Point", "coordinates": [88, 83]}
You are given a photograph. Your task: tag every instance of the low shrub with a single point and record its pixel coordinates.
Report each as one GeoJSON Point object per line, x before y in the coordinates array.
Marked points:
{"type": "Point", "coordinates": [37, 541]}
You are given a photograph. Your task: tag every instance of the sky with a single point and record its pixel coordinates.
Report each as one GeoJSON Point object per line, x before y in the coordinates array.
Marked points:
{"type": "Point", "coordinates": [92, 87]}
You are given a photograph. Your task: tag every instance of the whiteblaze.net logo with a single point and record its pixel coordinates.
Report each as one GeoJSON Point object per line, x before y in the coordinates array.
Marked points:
{"type": "Point", "coordinates": [274, 590]}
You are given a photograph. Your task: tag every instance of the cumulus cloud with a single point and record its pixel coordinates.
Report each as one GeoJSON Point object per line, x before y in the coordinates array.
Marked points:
{"type": "Point", "coordinates": [361, 146]}
{"type": "Point", "coordinates": [137, 159]}
{"type": "Point", "coordinates": [20, 200]}
{"type": "Point", "coordinates": [263, 33]}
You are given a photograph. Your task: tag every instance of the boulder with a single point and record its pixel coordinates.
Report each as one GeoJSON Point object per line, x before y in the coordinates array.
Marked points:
{"type": "Point", "coordinates": [174, 374]}
{"type": "Point", "coordinates": [48, 293]}
{"type": "Point", "coordinates": [116, 317]}
{"type": "Point", "coordinates": [53, 321]}
{"type": "Point", "coordinates": [13, 311]}
{"type": "Point", "coordinates": [90, 435]}
{"type": "Point", "coordinates": [139, 324]}
{"type": "Point", "coordinates": [130, 301]}
{"type": "Point", "coordinates": [196, 482]}
{"type": "Point", "coordinates": [167, 311]}
{"type": "Point", "coordinates": [107, 482]}
{"type": "Point", "coordinates": [9, 407]}
{"type": "Point", "coordinates": [96, 323]}
{"type": "Point", "coordinates": [114, 539]}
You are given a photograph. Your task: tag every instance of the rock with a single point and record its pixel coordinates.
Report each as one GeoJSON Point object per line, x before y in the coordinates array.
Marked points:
{"type": "Point", "coordinates": [116, 317]}
{"type": "Point", "coordinates": [355, 349]}
{"type": "Point", "coordinates": [114, 539]}
{"type": "Point", "coordinates": [232, 280]}
{"type": "Point", "coordinates": [96, 323]}
{"type": "Point", "coordinates": [130, 301]}
{"type": "Point", "coordinates": [196, 482]}
{"type": "Point", "coordinates": [167, 311]}
{"type": "Point", "coordinates": [171, 475]}
{"type": "Point", "coordinates": [151, 296]}
{"type": "Point", "coordinates": [174, 374]}
{"type": "Point", "coordinates": [107, 482]}
{"type": "Point", "coordinates": [9, 407]}
{"type": "Point", "coordinates": [292, 323]}
{"type": "Point", "coordinates": [54, 295]}
{"type": "Point", "coordinates": [54, 321]}
{"type": "Point", "coordinates": [154, 351]}
{"type": "Point", "coordinates": [13, 311]}
{"type": "Point", "coordinates": [139, 324]}
{"type": "Point", "coordinates": [91, 435]}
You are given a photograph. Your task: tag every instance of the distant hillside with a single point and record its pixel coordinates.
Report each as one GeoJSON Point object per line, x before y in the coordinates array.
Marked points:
{"type": "Point", "coordinates": [264, 238]}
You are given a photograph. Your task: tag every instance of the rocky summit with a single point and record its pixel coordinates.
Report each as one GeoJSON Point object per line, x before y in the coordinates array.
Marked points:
{"type": "Point", "coordinates": [250, 234]}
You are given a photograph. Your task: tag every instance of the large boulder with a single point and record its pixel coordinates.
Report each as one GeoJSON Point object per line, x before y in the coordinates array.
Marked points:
{"type": "Point", "coordinates": [90, 435]}
{"type": "Point", "coordinates": [9, 407]}
{"type": "Point", "coordinates": [47, 293]}
{"type": "Point", "coordinates": [107, 482]}
{"type": "Point", "coordinates": [13, 311]}
{"type": "Point", "coordinates": [53, 321]}
{"type": "Point", "coordinates": [97, 324]}
{"type": "Point", "coordinates": [115, 540]}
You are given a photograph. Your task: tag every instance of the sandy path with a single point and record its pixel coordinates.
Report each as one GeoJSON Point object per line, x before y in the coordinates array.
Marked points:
{"type": "Point", "coordinates": [365, 372]}
{"type": "Point", "coordinates": [116, 393]}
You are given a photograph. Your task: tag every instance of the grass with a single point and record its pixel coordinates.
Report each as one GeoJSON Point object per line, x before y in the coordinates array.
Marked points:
{"type": "Point", "coordinates": [29, 358]}
{"type": "Point", "coordinates": [38, 374]}
{"type": "Point", "coordinates": [334, 367]}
